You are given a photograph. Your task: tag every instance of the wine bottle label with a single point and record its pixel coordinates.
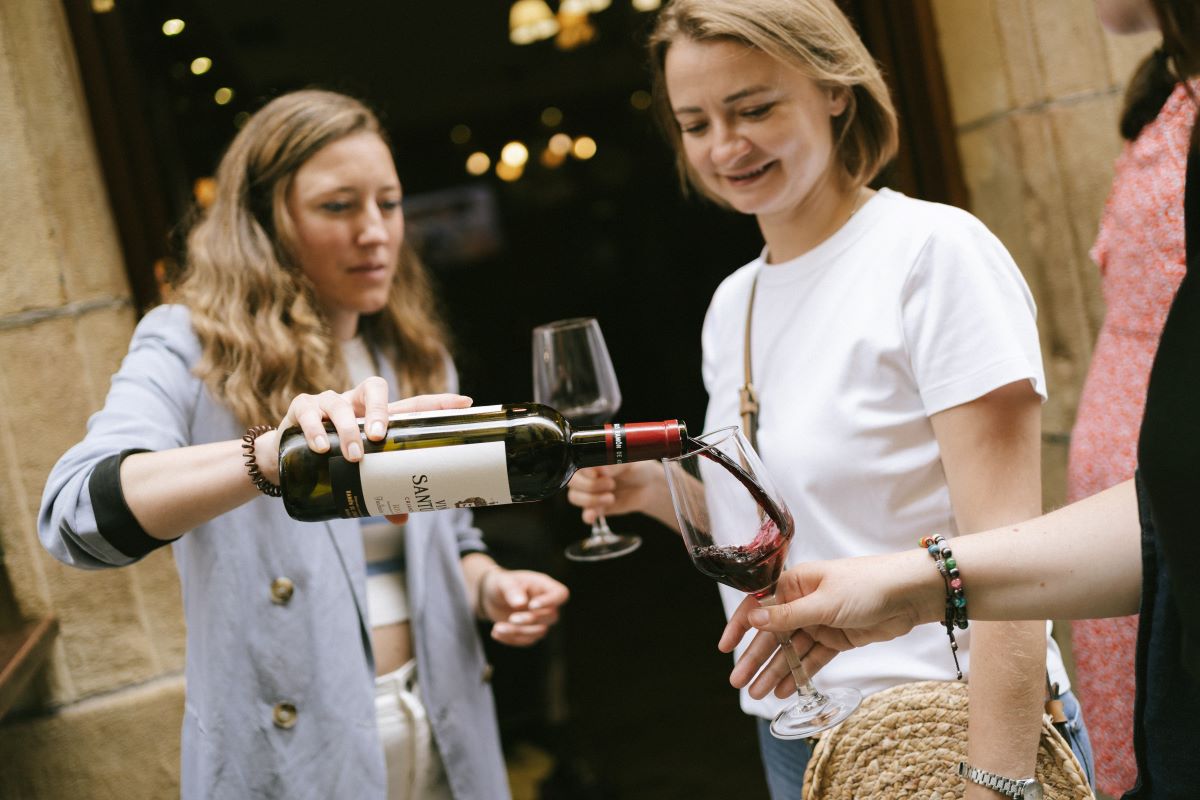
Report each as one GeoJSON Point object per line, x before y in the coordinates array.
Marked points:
{"type": "Point", "coordinates": [435, 478]}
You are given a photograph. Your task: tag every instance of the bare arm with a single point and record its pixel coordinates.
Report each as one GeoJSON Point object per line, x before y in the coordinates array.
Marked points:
{"type": "Point", "coordinates": [990, 451]}
{"type": "Point", "coordinates": [1082, 561]}
{"type": "Point", "coordinates": [171, 492]}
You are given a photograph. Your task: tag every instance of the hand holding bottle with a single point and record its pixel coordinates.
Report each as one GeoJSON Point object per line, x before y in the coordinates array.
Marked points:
{"type": "Point", "coordinates": [368, 401]}
{"type": "Point", "coordinates": [622, 489]}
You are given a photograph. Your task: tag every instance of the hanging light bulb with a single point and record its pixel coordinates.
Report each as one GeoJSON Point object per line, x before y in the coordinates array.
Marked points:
{"type": "Point", "coordinates": [647, 5]}
{"type": "Point", "coordinates": [531, 21]}
{"type": "Point", "coordinates": [596, 5]}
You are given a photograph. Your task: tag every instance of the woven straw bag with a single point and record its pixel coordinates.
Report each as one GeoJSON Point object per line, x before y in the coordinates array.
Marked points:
{"type": "Point", "coordinates": [906, 742]}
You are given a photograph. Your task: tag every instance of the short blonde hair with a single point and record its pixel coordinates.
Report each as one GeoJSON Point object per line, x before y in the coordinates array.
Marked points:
{"type": "Point", "coordinates": [812, 35]}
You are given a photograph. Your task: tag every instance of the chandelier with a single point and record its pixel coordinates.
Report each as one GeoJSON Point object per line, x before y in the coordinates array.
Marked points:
{"type": "Point", "coordinates": [532, 21]}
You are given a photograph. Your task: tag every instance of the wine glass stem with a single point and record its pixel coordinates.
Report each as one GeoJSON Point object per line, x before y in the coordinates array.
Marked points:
{"type": "Point", "coordinates": [601, 531]}
{"type": "Point", "coordinates": [808, 696]}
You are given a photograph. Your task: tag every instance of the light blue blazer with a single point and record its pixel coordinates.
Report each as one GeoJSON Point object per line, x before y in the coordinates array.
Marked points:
{"type": "Point", "coordinates": [246, 655]}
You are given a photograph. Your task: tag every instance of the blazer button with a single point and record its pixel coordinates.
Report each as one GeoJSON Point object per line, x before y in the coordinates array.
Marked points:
{"type": "Point", "coordinates": [284, 715]}
{"type": "Point", "coordinates": [282, 590]}
{"type": "Point", "coordinates": [487, 673]}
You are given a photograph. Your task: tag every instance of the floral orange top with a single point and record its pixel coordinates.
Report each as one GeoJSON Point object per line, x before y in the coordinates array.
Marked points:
{"type": "Point", "coordinates": [1140, 252]}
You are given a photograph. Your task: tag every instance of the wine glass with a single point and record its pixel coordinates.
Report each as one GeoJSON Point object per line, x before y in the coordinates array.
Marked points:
{"type": "Point", "coordinates": [737, 528]}
{"type": "Point", "coordinates": [573, 373]}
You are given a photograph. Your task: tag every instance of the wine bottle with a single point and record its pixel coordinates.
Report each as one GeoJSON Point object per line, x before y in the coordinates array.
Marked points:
{"type": "Point", "coordinates": [459, 458]}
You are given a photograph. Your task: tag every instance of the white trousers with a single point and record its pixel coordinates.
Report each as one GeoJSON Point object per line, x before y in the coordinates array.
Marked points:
{"type": "Point", "coordinates": [414, 767]}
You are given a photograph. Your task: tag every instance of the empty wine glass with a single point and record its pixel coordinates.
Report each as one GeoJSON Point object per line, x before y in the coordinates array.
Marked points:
{"type": "Point", "coordinates": [737, 528]}
{"type": "Point", "coordinates": [572, 372]}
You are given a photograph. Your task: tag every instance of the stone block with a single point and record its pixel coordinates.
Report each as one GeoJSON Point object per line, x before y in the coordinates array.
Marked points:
{"type": "Point", "coordinates": [973, 59]}
{"type": "Point", "coordinates": [1070, 46]}
{"type": "Point", "coordinates": [30, 278]}
{"type": "Point", "coordinates": [104, 634]}
{"type": "Point", "coordinates": [62, 155]}
{"type": "Point", "coordinates": [1021, 57]}
{"type": "Point", "coordinates": [1054, 471]}
{"type": "Point", "coordinates": [1086, 141]}
{"type": "Point", "coordinates": [1125, 53]}
{"type": "Point", "coordinates": [991, 170]}
{"type": "Point", "coordinates": [43, 362]}
{"type": "Point", "coordinates": [1055, 270]}
{"type": "Point", "coordinates": [122, 746]}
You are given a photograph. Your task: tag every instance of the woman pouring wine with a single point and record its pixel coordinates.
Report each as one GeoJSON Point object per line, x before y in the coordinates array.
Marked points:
{"type": "Point", "coordinates": [323, 660]}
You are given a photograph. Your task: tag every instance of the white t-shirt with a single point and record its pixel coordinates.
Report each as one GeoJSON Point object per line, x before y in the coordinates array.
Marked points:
{"type": "Point", "coordinates": [910, 309]}
{"type": "Point", "coordinates": [383, 542]}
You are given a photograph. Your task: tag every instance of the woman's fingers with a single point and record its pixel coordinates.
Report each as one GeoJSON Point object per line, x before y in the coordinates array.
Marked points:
{"type": "Point", "coordinates": [340, 412]}
{"type": "Point", "coordinates": [372, 397]}
{"type": "Point", "coordinates": [428, 402]}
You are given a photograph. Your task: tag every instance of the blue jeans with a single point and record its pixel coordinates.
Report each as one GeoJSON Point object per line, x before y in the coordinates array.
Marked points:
{"type": "Point", "coordinates": [785, 759]}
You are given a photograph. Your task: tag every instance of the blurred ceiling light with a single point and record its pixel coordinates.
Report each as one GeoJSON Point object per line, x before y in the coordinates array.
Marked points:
{"type": "Point", "coordinates": [514, 154]}
{"type": "Point", "coordinates": [508, 172]}
{"type": "Point", "coordinates": [205, 191]}
{"type": "Point", "coordinates": [201, 65]}
{"type": "Point", "coordinates": [640, 99]}
{"type": "Point", "coordinates": [103, 6]}
{"type": "Point", "coordinates": [584, 148]}
{"type": "Point", "coordinates": [647, 5]}
{"type": "Point", "coordinates": [173, 27]}
{"type": "Point", "coordinates": [478, 163]}
{"type": "Point", "coordinates": [460, 134]}
{"type": "Point", "coordinates": [576, 29]}
{"type": "Point", "coordinates": [560, 144]}
{"type": "Point", "coordinates": [551, 117]}
{"type": "Point", "coordinates": [530, 21]}
{"type": "Point", "coordinates": [551, 158]}
{"type": "Point", "coordinates": [223, 95]}
{"type": "Point", "coordinates": [596, 5]}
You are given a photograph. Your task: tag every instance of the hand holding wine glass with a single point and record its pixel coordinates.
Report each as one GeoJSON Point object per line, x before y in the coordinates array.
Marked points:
{"type": "Point", "coordinates": [737, 528]}
{"type": "Point", "coordinates": [573, 373]}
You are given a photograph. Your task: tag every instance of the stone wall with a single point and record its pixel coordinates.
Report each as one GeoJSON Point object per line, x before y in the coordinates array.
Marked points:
{"type": "Point", "coordinates": [1036, 91]}
{"type": "Point", "coordinates": [102, 720]}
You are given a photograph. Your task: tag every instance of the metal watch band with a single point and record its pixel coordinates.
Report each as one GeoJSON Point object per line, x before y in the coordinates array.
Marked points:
{"type": "Point", "coordinates": [1006, 786]}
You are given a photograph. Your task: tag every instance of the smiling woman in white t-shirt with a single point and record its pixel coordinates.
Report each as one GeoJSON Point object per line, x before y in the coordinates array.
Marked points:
{"type": "Point", "coordinates": [894, 349]}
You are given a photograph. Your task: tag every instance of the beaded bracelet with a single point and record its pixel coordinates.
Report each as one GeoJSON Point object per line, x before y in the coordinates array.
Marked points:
{"type": "Point", "coordinates": [956, 599]}
{"type": "Point", "coordinates": [256, 477]}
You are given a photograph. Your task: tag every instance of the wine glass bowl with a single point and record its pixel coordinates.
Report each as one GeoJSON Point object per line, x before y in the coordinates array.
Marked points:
{"type": "Point", "coordinates": [573, 373]}
{"type": "Point", "coordinates": [737, 528]}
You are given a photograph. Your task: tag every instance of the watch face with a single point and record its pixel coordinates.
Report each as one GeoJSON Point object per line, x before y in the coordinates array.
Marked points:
{"type": "Point", "coordinates": [1031, 791]}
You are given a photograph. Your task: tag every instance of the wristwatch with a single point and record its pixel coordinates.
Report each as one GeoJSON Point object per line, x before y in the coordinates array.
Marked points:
{"type": "Point", "coordinates": [1016, 788]}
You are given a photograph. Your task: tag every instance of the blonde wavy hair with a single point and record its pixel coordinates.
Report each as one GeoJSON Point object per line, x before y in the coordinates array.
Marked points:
{"type": "Point", "coordinates": [811, 35]}
{"type": "Point", "coordinates": [263, 334]}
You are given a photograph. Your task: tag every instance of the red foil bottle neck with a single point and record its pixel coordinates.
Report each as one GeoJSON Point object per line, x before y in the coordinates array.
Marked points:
{"type": "Point", "coordinates": [644, 441]}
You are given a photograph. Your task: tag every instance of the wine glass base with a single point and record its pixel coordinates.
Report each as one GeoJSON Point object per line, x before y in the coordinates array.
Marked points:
{"type": "Point", "coordinates": [598, 548]}
{"type": "Point", "coordinates": [796, 722]}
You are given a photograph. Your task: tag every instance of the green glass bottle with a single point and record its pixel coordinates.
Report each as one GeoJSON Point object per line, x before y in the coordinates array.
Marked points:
{"type": "Point", "coordinates": [460, 458]}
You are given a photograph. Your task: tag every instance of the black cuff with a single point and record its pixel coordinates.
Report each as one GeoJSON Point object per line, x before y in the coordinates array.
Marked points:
{"type": "Point", "coordinates": [114, 521]}
{"type": "Point", "coordinates": [469, 550]}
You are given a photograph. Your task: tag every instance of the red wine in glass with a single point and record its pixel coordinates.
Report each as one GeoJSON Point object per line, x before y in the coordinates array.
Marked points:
{"type": "Point", "coordinates": [737, 529]}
